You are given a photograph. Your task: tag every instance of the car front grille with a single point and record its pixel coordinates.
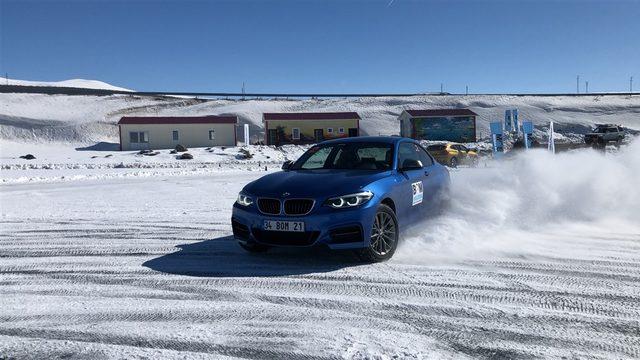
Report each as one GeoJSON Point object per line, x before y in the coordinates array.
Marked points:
{"type": "Point", "coordinates": [298, 206]}
{"type": "Point", "coordinates": [286, 238]}
{"type": "Point", "coordinates": [269, 206]}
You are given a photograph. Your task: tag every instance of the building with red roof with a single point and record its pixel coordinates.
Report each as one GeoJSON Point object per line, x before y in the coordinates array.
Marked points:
{"type": "Point", "coordinates": [165, 132]}
{"type": "Point", "coordinates": [305, 128]}
{"type": "Point", "coordinates": [457, 125]}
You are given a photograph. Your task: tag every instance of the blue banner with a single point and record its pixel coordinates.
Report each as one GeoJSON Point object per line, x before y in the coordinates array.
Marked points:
{"type": "Point", "coordinates": [496, 137]}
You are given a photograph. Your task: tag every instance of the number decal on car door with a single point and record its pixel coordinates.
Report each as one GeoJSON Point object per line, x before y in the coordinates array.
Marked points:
{"type": "Point", "coordinates": [417, 190]}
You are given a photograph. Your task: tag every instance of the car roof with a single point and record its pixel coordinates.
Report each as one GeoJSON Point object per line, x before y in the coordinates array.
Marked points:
{"type": "Point", "coordinates": [369, 139]}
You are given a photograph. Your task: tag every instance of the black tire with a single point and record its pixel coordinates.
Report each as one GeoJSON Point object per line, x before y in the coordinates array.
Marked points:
{"type": "Point", "coordinates": [253, 247]}
{"type": "Point", "coordinates": [386, 243]}
{"type": "Point", "coordinates": [453, 162]}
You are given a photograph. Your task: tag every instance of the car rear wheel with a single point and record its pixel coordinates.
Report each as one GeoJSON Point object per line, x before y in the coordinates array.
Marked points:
{"type": "Point", "coordinates": [384, 236]}
{"type": "Point", "coordinates": [253, 247]}
{"type": "Point", "coordinates": [453, 162]}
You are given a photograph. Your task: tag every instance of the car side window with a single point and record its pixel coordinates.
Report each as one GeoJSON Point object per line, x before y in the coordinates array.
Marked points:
{"type": "Point", "coordinates": [463, 148]}
{"type": "Point", "coordinates": [424, 158]}
{"type": "Point", "coordinates": [406, 151]}
{"type": "Point", "coordinates": [410, 151]}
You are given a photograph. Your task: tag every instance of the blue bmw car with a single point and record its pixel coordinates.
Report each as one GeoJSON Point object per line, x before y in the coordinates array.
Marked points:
{"type": "Point", "coordinates": [354, 193]}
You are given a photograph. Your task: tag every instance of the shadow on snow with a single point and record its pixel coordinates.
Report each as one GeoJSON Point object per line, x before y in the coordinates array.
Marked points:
{"type": "Point", "coordinates": [223, 257]}
{"type": "Point", "coordinates": [101, 146]}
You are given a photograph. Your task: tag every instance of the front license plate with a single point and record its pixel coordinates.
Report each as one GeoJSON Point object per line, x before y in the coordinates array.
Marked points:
{"type": "Point", "coordinates": [276, 225]}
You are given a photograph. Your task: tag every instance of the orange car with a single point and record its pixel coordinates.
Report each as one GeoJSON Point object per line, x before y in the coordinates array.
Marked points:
{"type": "Point", "coordinates": [452, 155]}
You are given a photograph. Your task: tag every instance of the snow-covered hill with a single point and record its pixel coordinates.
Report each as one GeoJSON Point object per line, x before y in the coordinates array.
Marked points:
{"type": "Point", "coordinates": [75, 83]}
{"type": "Point", "coordinates": [90, 119]}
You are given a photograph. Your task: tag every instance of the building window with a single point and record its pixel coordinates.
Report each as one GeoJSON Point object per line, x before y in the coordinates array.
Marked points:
{"type": "Point", "coordinates": [341, 130]}
{"type": "Point", "coordinates": [212, 134]}
{"type": "Point", "coordinates": [329, 130]}
{"type": "Point", "coordinates": [295, 133]}
{"type": "Point", "coordinates": [139, 137]}
{"type": "Point", "coordinates": [175, 135]}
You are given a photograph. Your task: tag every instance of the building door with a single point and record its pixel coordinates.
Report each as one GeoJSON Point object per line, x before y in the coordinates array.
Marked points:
{"type": "Point", "coordinates": [353, 132]}
{"type": "Point", "coordinates": [318, 134]}
{"type": "Point", "coordinates": [272, 137]}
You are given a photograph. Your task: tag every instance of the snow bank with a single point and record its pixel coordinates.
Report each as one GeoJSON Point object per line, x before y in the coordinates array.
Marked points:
{"type": "Point", "coordinates": [58, 162]}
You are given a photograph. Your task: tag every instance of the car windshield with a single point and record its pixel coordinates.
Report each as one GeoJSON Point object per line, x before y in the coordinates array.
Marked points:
{"type": "Point", "coordinates": [351, 156]}
{"type": "Point", "coordinates": [599, 130]}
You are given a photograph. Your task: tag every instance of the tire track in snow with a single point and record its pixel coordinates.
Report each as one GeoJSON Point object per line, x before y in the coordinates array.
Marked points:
{"type": "Point", "coordinates": [140, 284]}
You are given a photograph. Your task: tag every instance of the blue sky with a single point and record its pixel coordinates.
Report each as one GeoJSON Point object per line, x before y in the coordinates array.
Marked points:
{"type": "Point", "coordinates": [325, 46]}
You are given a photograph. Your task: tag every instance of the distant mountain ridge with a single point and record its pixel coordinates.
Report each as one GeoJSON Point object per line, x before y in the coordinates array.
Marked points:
{"type": "Point", "coordinates": [73, 83]}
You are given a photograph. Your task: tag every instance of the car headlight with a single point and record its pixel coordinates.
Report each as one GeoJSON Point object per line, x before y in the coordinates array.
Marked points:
{"type": "Point", "coordinates": [244, 200]}
{"type": "Point", "coordinates": [351, 200]}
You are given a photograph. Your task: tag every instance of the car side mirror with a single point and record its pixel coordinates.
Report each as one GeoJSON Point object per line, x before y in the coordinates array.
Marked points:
{"type": "Point", "coordinates": [411, 164]}
{"type": "Point", "coordinates": [286, 165]}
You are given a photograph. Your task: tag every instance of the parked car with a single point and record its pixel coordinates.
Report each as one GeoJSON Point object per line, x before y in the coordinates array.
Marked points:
{"type": "Point", "coordinates": [603, 134]}
{"type": "Point", "coordinates": [452, 154]}
{"type": "Point", "coordinates": [352, 193]}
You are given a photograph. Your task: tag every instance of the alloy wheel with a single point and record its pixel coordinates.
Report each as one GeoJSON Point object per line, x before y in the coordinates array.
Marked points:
{"type": "Point", "coordinates": [383, 234]}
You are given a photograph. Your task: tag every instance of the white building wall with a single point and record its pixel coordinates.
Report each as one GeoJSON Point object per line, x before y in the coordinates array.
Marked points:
{"type": "Point", "coordinates": [405, 124]}
{"type": "Point", "coordinates": [190, 135]}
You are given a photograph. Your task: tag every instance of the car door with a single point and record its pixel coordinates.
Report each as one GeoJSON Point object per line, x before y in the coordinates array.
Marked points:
{"type": "Point", "coordinates": [411, 185]}
{"type": "Point", "coordinates": [434, 181]}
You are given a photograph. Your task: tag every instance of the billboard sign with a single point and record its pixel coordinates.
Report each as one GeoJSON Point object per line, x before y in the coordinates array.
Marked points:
{"type": "Point", "coordinates": [457, 129]}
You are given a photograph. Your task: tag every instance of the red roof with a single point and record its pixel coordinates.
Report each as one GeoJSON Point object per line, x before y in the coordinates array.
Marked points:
{"type": "Point", "coordinates": [312, 116]}
{"type": "Point", "coordinates": [211, 119]}
{"type": "Point", "coordinates": [441, 112]}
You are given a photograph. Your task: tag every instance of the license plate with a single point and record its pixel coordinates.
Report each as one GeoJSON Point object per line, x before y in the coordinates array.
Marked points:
{"type": "Point", "coordinates": [276, 225]}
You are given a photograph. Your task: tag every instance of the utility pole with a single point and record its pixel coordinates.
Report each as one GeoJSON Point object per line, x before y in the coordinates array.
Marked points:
{"type": "Point", "coordinates": [466, 90]}
{"type": "Point", "coordinates": [243, 90]}
{"type": "Point", "coordinates": [441, 88]}
{"type": "Point", "coordinates": [631, 84]}
{"type": "Point", "coordinates": [586, 87]}
{"type": "Point", "coordinates": [578, 84]}
{"type": "Point", "coordinates": [6, 78]}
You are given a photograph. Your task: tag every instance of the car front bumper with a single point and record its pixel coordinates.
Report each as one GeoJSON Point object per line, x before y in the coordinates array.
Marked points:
{"type": "Point", "coordinates": [336, 228]}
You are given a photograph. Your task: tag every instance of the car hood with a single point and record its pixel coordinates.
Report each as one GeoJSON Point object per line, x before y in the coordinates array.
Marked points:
{"type": "Point", "coordinates": [313, 183]}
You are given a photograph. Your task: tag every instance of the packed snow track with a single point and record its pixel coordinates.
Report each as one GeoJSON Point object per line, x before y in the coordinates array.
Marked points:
{"type": "Point", "coordinates": [145, 268]}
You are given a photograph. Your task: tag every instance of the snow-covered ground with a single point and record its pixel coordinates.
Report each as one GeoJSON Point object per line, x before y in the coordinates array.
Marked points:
{"type": "Point", "coordinates": [56, 162]}
{"type": "Point", "coordinates": [538, 256]}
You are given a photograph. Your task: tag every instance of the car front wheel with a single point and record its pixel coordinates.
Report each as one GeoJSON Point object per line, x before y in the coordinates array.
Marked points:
{"type": "Point", "coordinates": [384, 236]}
